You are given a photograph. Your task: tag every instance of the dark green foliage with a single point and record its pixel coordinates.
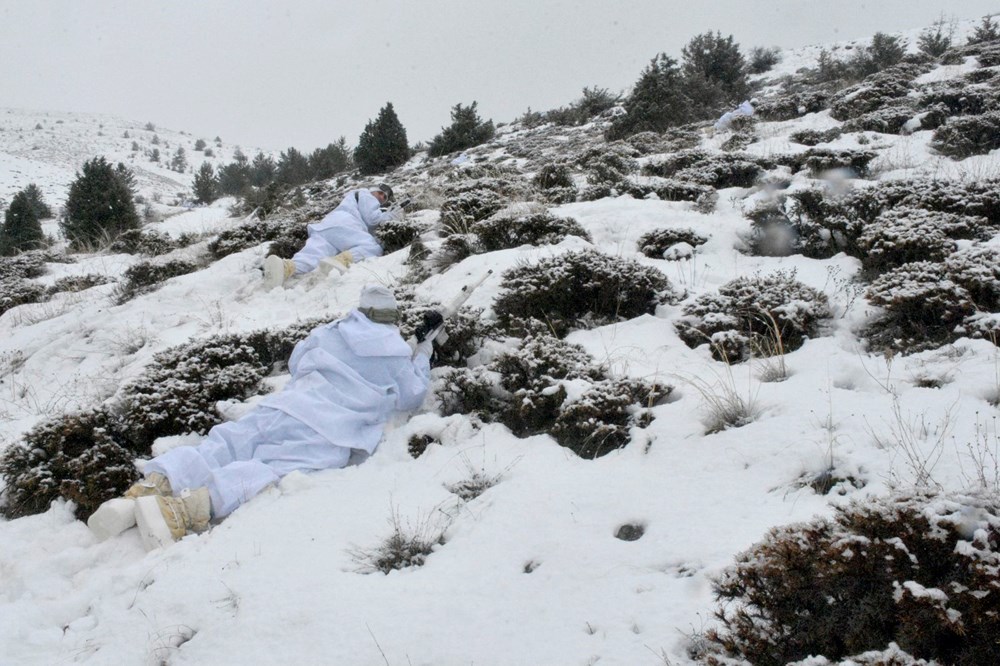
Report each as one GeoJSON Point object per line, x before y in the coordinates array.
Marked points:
{"type": "Point", "coordinates": [199, 145]}
{"type": "Point", "coordinates": [937, 39]}
{"type": "Point", "coordinates": [655, 243]}
{"type": "Point", "coordinates": [703, 168]}
{"type": "Point", "coordinates": [234, 178]}
{"type": "Point", "coordinates": [594, 102]}
{"type": "Point", "coordinates": [24, 265]}
{"type": "Point", "coordinates": [80, 457]}
{"type": "Point", "coordinates": [242, 237]}
{"type": "Point", "coordinates": [293, 168]}
{"type": "Point", "coordinates": [792, 105]}
{"type": "Point", "coordinates": [763, 59]}
{"type": "Point", "coordinates": [99, 205]}
{"type": "Point", "coordinates": [327, 162]}
{"type": "Point", "coordinates": [657, 102]}
{"type": "Point", "coordinates": [578, 289]}
{"type": "Point", "coordinates": [467, 206]}
{"type": "Point", "coordinates": [986, 31]}
{"type": "Point", "coordinates": [464, 335]}
{"type": "Point", "coordinates": [904, 234]}
{"type": "Point", "coordinates": [206, 187]}
{"type": "Point", "coordinates": [608, 164]}
{"type": "Point", "coordinates": [820, 160]}
{"type": "Point", "coordinates": [814, 137]}
{"type": "Point", "coordinates": [288, 240]}
{"type": "Point", "coordinates": [914, 569]}
{"type": "Point", "coordinates": [151, 243]}
{"type": "Point", "coordinates": [523, 389]}
{"type": "Point", "coordinates": [382, 145]}
{"type": "Point", "coordinates": [394, 235]}
{"type": "Point", "coordinates": [969, 135]}
{"type": "Point", "coordinates": [888, 88]}
{"type": "Point", "coordinates": [21, 229]}
{"type": "Point", "coordinates": [16, 291]}
{"type": "Point", "coordinates": [959, 99]}
{"type": "Point", "coordinates": [715, 73]}
{"type": "Point", "coordinates": [500, 232]}
{"type": "Point", "coordinates": [143, 278]}
{"type": "Point", "coordinates": [754, 316]}
{"type": "Point", "coordinates": [883, 52]}
{"type": "Point", "coordinates": [178, 162]}
{"type": "Point", "coordinates": [262, 171]}
{"type": "Point", "coordinates": [553, 176]}
{"type": "Point", "coordinates": [467, 129]}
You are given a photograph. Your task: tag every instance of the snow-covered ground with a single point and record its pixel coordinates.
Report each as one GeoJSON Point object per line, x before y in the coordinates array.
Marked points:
{"type": "Point", "coordinates": [530, 572]}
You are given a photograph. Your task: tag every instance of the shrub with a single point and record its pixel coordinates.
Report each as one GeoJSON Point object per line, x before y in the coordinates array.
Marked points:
{"type": "Point", "coordinates": [583, 288]}
{"type": "Point", "coordinates": [922, 307]}
{"type": "Point", "coordinates": [501, 231]}
{"type": "Point", "coordinates": [759, 316]}
{"type": "Point", "coordinates": [77, 283]}
{"type": "Point", "coordinates": [80, 457]}
{"type": "Point", "coordinates": [657, 101]}
{"type": "Point", "coordinates": [24, 265]}
{"type": "Point", "coordinates": [820, 160]}
{"type": "Point", "coordinates": [463, 336]}
{"type": "Point", "coordinates": [703, 168]}
{"type": "Point", "coordinates": [609, 164]}
{"type": "Point", "coordinates": [813, 137]}
{"type": "Point", "coordinates": [18, 291]}
{"type": "Point", "coordinates": [959, 99]}
{"type": "Point", "coordinates": [763, 59]}
{"type": "Point", "coordinates": [553, 176]}
{"type": "Point", "coordinates": [913, 569]}
{"type": "Point", "coordinates": [872, 94]}
{"type": "Point", "coordinates": [99, 205]}
{"type": "Point", "coordinates": [467, 129]}
{"type": "Point", "coordinates": [460, 210]}
{"type": "Point", "coordinates": [382, 145]}
{"type": "Point", "coordinates": [242, 237]}
{"type": "Point", "coordinates": [904, 234]}
{"type": "Point", "coordinates": [891, 119]}
{"type": "Point", "coordinates": [715, 73]}
{"type": "Point", "coordinates": [288, 240]}
{"type": "Point", "coordinates": [393, 235]}
{"type": "Point", "coordinates": [789, 106]}
{"type": "Point", "coordinates": [143, 277]}
{"type": "Point", "coordinates": [968, 135]}
{"type": "Point", "coordinates": [655, 243]}
{"type": "Point", "coordinates": [149, 243]}
{"type": "Point", "coordinates": [21, 229]}
{"type": "Point", "coordinates": [882, 53]}
{"type": "Point", "coordinates": [525, 389]}
{"type": "Point", "coordinates": [405, 547]}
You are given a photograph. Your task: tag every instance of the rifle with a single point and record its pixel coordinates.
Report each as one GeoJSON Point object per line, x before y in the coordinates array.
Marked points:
{"type": "Point", "coordinates": [432, 326]}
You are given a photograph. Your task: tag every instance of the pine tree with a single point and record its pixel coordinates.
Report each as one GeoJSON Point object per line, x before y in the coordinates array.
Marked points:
{"type": "Point", "coordinates": [987, 31]}
{"type": "Point", "coordinates": [34, 195]}
{"type": "Point", "coordinates": [205, 186]}
{"type": "Point", "coordinates": [466, 130]}
{"type": "Point", "coordinates": [715, 72]}
{"type": "Point", "coordinates": [657, 103]}
{"type": "Point", "coordinates": [382, 146]}
{"type": "Point", "coordinates": [935, 40]}
{"type": "Point", "coordinates": [21, 229]}
{"type": "Point", "coordinates": [293, 168]}
{"type": "Point", "coordinates": [262, 171]}
{"type": "Point", "coordinates": [179, 161]}
{"type": "Point", "coordinates": [99, 205]}
{"type": "Point", "coordinates": [884, 51]}
{"type": "Point", "coordinates": [328, 162]}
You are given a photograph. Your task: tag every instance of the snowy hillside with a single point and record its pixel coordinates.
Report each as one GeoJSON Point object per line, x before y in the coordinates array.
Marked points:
{"type": "Point", "coordinates": [48, 148]}
{"type": "Point", "coordinates": [559, 558]}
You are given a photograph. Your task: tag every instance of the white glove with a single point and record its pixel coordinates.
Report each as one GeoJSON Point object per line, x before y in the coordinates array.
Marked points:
{"type": "Point", "coordinates": [426, 348]}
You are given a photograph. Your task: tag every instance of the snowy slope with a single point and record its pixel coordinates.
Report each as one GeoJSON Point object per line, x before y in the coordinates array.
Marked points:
{"type": "Point", "coordinates": [530, 572]}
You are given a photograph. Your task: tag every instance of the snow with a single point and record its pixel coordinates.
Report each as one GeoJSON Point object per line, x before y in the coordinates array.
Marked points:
{"type": "Point", "coordinates": [530, 571]}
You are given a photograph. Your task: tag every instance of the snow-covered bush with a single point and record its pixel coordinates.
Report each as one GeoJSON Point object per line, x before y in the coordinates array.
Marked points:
{"type": "Point", "coordinates": [151, 243]}
{"type": "Point", "coordinates": [502, 231]}
{"type": "Point", "coordinates": [754, 316]}
{"type": "Point", "coordinates": [143, 277]}
{"type": "Point", "coordinates": [578, 289]}
{"type": "Point", "coordinates": [915, 570]}
{"type": "Point", "coordinates": [922, 307]}
{"type": "Point", "coordinates": [178, 392]}
{"type": "Point", "coordinates": [820, 160]}
{"type": "Point", "coordinates": [965, 136]}
{"type": "Point", "coordinates": [553, 176]}
{"type": "Point", "coordinates": [79, 457]}
{"type": "Point", "coordinates": [464, 333]}
{"type": "Point", "coordinates": [77, 283]}
{"type": "Point", "coordinates": [405, 546]}
{"type": "Point", "coordinates": [17, 291]}
{"type": "Point", "coordinates": [609, 163]}
{"type": "Point", "coordinates": [893, 119]}
{"type": "Point", "coordinates": [959, 99]}
{"type": "Point", "coordinates": [25, 265]}
{"type": "Point", "coordinates": [904, 234]}
{"type": "Point", "coordinates": [704, 168]}
{"type": "Point", "coordinates": [811, 137]}
{"type": "Point", "coordinates": [242, 237]}
{"type": "Point", "coordinates": [460, 210]}
{"type": "Point", "coordinates": [788, 106]}
{"type": "Point", "coordinates": [394, 234]}
{"type": "Point", "coordinates": [879, 90]}
{"type": "Point", "coordinates": [288, 240]}
{"type": "Point", "coordinates": [655, 243]}
{"type": "Point", "coordinates": [526, 390]}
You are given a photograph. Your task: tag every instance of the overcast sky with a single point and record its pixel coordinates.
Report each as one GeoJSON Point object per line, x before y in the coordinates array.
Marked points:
{"type": "Point", "coordinates": [304, 72]}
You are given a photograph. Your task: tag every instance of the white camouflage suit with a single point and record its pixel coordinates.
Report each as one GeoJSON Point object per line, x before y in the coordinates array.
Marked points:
{"type": "Point", "coordinates": [348, 377]}
{"type": "Point", "coordinates": [347, 228]}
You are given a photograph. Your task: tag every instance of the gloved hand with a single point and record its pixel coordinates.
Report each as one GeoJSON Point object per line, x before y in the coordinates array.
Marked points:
{"type": "Point", "coordinates": [426, 348]}
{"type": "Point", "coordinates": [433, 322]}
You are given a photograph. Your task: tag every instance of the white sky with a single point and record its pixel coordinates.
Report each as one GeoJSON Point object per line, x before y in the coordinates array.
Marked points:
{"type": "Point", "coordinates": [303, 72]}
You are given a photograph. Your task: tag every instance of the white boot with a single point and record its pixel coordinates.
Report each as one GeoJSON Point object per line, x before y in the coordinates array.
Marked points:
{"type": "Point", "coordinates": [112, 518]}
{"type": "Point", "coordinates": [163, 520]}
{"type": "Point", "coordinates": [277, 270]}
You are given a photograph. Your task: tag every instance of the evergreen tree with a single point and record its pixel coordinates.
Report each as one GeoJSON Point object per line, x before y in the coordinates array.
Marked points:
{"type": "Point", "coordinates": [155, 155]}
{"type": "Point", "coordinates": [657, 103]}
{"type": "Point", "coordinates": [715, 72]}
{"type": "Point", "coordinates": [293, 168]}
{"type": "Point", "coordinates": [987, 31]}
{"type": "Point", "coordinates": [99, 205]}
{"type": "Point", "coordinates": [233, 178]}
{"type": "Point", "coordinates": [179, 161]}
{"type": "Point", "coordinates": [262, 171]}
{"type": "Point", "coordinates": [382, 145]}
{"type": "Point", "coordinates": [199, 145]}
{"type": "Point", "coordinates": [21, 229]}
{"type": "Point", "coordinates": [884, 51]}
{"type": "Point", "coordinates": [34, 195]}
{"type": "Point", "coordinates": [328, 162]}
{"type": "Point", "coordinates": [466, 130]}
{"type": "Point", "coordinates": [205, 187]}
{"type": "Point", "coordinates": [937, 39]}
